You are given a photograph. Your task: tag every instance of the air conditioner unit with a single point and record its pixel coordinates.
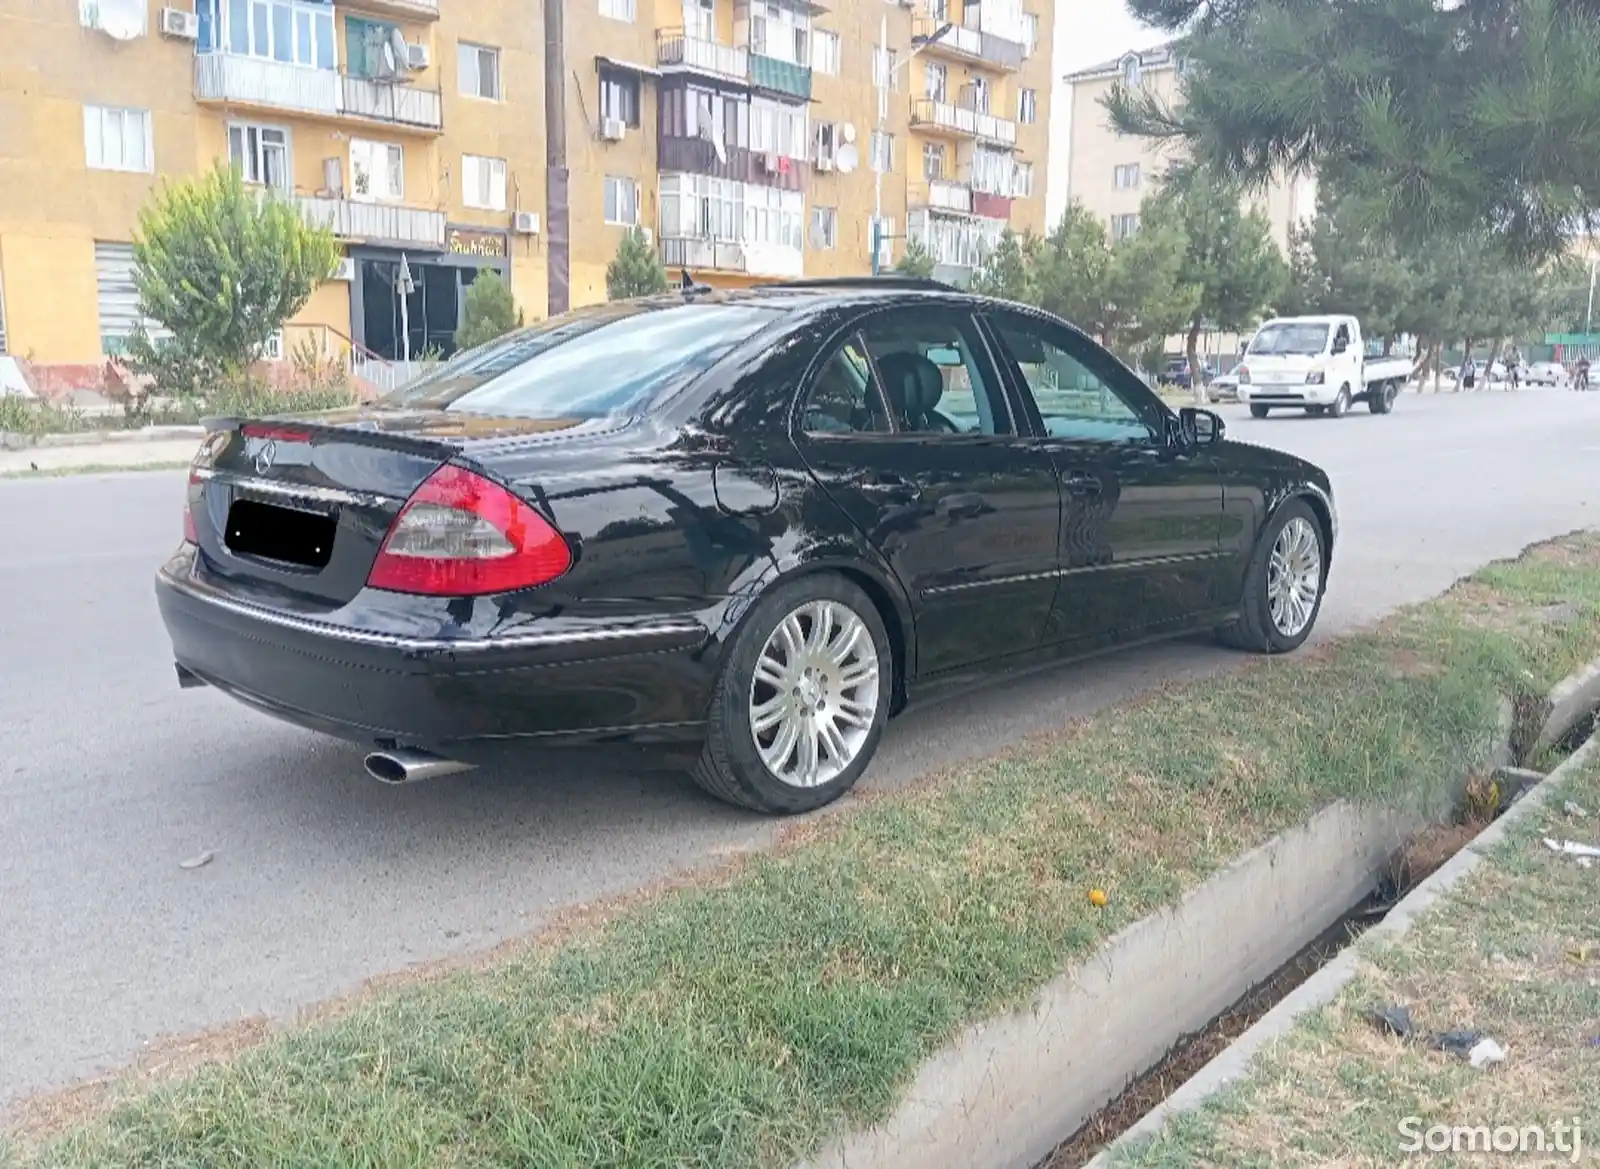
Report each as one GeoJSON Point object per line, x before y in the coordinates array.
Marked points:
{"type": "Point", "coordinates": [180, 24]}
{"type": "Point", "coordinates": [345, 269]}
{"type": "Point", "coordinates": [613, 129]}
{"type": "Point", "coordinates": [416, 56]}
{"type": "Point", "coordinates": [525, 222]}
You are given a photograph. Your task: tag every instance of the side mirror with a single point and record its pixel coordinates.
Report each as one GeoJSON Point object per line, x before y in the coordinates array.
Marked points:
{"type": "Point", "coordinates": [1200, 427]}
{"type": "Point", "coordinates": [1340, 344]}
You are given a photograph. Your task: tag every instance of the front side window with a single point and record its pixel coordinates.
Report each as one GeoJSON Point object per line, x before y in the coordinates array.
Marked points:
{"type": "Point", "coordinates": [1075, 387]}
{"type": "Point", "coordinates": [604, 361]}
{"type": "Point", "coordinates": [846, 397]}
{"type": "Point", "coordinates": [934, 376]}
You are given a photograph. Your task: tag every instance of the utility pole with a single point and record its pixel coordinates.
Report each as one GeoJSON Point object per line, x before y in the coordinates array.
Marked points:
{"type": "Point", "coordinates": [557, 236]}
{"type": "Point", "coordinates": [880, 66]}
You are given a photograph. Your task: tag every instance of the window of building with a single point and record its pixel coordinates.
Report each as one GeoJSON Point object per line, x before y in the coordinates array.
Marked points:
{"type": "Point", "coordinates": [776, 128]}
{"type": "Point", "coordinates": [377, 171]}
{"type": "Point", "coordinates": [619, 10]}
{"type": "Point", "coordinates": [365, 41]}
{"type": "Point", "coordinates": [483, 182]}
{"type": "Point", "coordinates": [89, 15]}
{"type": "Point", "coordinates": [935, 80]}
{"type": "Point", "coordinates": [824, 228]}
{"type": "Point", "coordinates": [283, 30]}
{"type": "Point", "coordinates": [933, 160]}
{"type": "Point", "coordinates": [702, 207]}
{"type": "Point", "coordinates": [1131, 74]}
{"type": "Point", "coordinates": [118, 139]}
{"type": "Point", "coordinates": [884, 73]}
{"type": "Point", "coordinates": [117, 294]}
{"type": "Point", "coordinates": [955, 240]}
{"type": "Point", "coordinates": [825, 51]}
{"type": "Point", "coordinates": [619, 96]}
{"type": "Point", "coordinates": [262, 155]}
{"type": "Point", "coordinates": [1027, 106]}
{"type": "Point", "coordinates": [976, 94]}
{"type": "Point", "coordinates": [1126, 176]}
{"type": "Point", "coordinates": [773, 217]}
{"type": "Point", "coordinates": [1022, 183]}
{"type": "Point", "coordinates": [827, 143]}
{"type": "Point", "coordinates": [1122, 226]}
{"type": "Point", "coordinates": [882, 151]}
{"type": "Point", "coordinates": [478, 67]}
{"type": "Point", "coordinates": [1030, 33]}
{"type": "Point", "coordinates": [621, 201]}
{"type": "Point", "coordinates": [780, 32]}
{"type": "Point", "coordinates": [992, 171]}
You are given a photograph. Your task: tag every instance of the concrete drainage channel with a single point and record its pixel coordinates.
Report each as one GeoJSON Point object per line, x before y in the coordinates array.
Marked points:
{"type": "Point", "coordinates": [1182, 999]}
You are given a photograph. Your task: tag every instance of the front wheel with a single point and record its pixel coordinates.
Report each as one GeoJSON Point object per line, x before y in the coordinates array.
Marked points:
{"type": "Point", "coordinates": [1341, 404]}
{"type": "Point", "coordinates": [1283, 585]}
{"type": "Point", "coordinates": [1257, 411]}
{"type": "Point", "coordinates": [802, 699]}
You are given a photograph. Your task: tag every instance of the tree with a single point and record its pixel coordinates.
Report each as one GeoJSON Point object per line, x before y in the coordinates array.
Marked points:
{"type": "Point", "coordinates": [1070, 268]}
{"type": "Point", "coordinates": [1148, 294]}
{"type": "Point", "coordinates": [1472, 115]}
{"type": "Point", "coordinates": [488, 311]}
{"type": "Point", "coordinates": [222, 268]}
{"type": "Point", "coordinates": [916, 262]}
{"type": "Point", "coordinates": [636, 270]}
{"type": "Point", "coordinates": [1228, 257]}
{"type": "Point", "coordinates": [1338, 265]}
{"type": "Point", "coordinates": [1007, 273]}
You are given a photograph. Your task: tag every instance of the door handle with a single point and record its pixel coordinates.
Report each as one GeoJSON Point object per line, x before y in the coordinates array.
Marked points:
{"type": "Point", "coordinates": [963, 505]}
{"type": "Point", "coordinates": [1080, 483]}
{"type": "Point", "coordinates": [886, 482]}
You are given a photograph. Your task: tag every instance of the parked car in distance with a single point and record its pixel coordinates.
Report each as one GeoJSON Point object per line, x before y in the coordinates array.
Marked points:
{"type": "Point", "coordinates": [750, 524]}
{"type": "Point", "coordinates": [1224, 387]}
{"type": "Point", "coordinates": [1548, 373]}
{"type": "Point", "coordinates": [1317, 364]}
{"type": "Point", "coordinates": [1175, 374]}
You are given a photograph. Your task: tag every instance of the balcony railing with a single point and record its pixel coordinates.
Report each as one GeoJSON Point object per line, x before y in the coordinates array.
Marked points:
{"type": "Point", "coordinates": [376, 222]}
{"type": "Point", "coordinates": [968, 44]}
{"type": "Point", "coordinates": [963, 120]}
{"type": "Point", "coordinates": [677, 49]}
{"type": "Point", "coordinates": [774, 260]}
{"type": "Point", "coordinates": [712, 255]}
{"type": "Point", "coordinates": [944, 195]}
{"type": "Point", "coordinates": [277, 85]}
{"type": "Point", "coordinates": [783, 77]}
{"type": "Point", "coordinates": [405, 9]}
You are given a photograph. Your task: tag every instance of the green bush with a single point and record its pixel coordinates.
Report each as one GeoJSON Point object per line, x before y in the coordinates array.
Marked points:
{"type": "Point", "coordinates": [489, 311]}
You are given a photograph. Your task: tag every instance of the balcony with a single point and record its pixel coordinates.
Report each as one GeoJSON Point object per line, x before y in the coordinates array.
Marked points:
{"type": "Point", "coordinates": [942, 195]}
{"type": "Point", "coordinates": [962, 121]}
{"type": "Point", "coordinates": [703, 254]}
{"type": "Point", "coordinates": [776, 260]}
{"type": "Point", "coordinates": [276, 85]}
{"type": "Point", "coordinates": [784, 77]}
{"type": "Point", "coordinates": [377, 223]}
{"type": "Point", "coordinates": [677, 50]}
{"type": "Point", "coordinates": [396, 9]}
{"type": "Point", "coordinates": [966, 44]}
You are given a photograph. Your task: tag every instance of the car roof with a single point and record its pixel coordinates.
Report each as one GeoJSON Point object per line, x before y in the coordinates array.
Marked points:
{"type": "Point", "coordinates": [808, 296]}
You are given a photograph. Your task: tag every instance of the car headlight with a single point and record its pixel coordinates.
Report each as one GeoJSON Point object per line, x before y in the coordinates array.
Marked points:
{"type": "Point", "coordinates": [1314, 378]}
{"type": "Point", "coordinates": [1244, 377]}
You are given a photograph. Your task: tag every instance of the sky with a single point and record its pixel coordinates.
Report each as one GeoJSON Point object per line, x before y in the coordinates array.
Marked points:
{"type": "Point", "coordinates": [1087, 32]}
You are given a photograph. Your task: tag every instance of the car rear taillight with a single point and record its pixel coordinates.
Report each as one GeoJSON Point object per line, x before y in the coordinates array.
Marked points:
{"type": "Point", "coordinates": [461, 535]}
{"type": "Point", "coordinates": [190, 498]}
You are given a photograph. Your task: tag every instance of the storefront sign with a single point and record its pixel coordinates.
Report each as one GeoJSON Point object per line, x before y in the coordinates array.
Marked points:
{"type": "Point", "coordinates": [488, 244]}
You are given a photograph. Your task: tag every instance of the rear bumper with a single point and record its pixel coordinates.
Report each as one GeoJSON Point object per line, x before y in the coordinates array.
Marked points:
{"type": "Point", "coordinates": [564, 681]}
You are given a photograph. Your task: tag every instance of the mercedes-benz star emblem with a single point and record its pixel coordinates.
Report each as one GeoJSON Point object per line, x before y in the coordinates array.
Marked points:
{"type": "Point", "coordinates": [265, 456]}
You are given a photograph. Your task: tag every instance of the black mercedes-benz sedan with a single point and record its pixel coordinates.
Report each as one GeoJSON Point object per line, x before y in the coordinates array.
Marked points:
{"type": "Point", "coordinates": [751, 526]}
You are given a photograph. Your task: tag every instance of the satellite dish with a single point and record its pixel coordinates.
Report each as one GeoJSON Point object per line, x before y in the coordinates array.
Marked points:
{"type": "Point", "coordinates": [396, 54]}
{"type": "Point", "coordinates": [848, 159]}
{"type": "Point", "coordinates": [121, 20]}
{"type": "Point", "coordinates": [849, 131]}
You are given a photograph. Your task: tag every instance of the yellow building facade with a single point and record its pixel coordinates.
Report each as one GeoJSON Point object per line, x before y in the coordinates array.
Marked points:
{"type": "Point", "coordinates": [753, 140]}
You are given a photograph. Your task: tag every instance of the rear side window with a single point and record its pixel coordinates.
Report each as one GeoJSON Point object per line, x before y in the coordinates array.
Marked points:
{"type": "Point", "coordinates": [588, 364]}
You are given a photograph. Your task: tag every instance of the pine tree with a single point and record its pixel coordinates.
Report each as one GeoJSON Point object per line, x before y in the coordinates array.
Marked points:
{"type": "Point", "coordinates": [916, 262]}
{"type": "Point", "coordinates": [1007, 274]}
{"type": "Point", "coordinates": [636, 270]}
{"type": "Point", "coordinates": [1438, 118]}
{"type": "Point", "coordinates": [487, 311]}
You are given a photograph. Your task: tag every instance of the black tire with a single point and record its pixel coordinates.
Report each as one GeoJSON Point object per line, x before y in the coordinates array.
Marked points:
{"type": "Point", "coordinates": [1316, 411]}
{"type": "Point", "coordinates": [730, 766]}
{"type": "Point", "coordinates": [1254, 630]}
{"type": "Point", "coordinates": [1380, 399]}
{"type": "Point", "coordinates": [1257, 411]}
{"type": "Point", "coordinates": [1341, 404]}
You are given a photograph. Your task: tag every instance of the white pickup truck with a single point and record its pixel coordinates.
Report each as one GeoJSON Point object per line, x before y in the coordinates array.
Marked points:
{"type": "Point", "coordinates": [1317, 364]}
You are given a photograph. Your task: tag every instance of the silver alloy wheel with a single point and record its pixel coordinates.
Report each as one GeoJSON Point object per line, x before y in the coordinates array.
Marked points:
{"type": "Point", "coordinates": [814, 694]}
{"type": "Point", "coordinates": [1294, 576]}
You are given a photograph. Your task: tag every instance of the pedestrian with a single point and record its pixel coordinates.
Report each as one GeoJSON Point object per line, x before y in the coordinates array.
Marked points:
{"type": "Point", "coordinates": [1513, 371]}
{"type": "Point", "coordinates": [1469, 374]}
{"type": "Point", "coordinates": [1582, 382]}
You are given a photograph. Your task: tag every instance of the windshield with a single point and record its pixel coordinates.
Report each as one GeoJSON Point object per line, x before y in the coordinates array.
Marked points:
{"type": "Point", "coordinates": [587, 364]}
{"type": "Point", "coordinates": [1306, 340]}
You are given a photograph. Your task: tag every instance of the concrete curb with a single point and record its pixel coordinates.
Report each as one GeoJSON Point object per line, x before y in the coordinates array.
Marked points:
{"type": "Point", "coordinates": [1572, 698]}
{"type": "Point", "coordinates": [1325, 985]}
{"type": "Point", "coordinates": [1011, 1088]}
{"type": "Point", "coordinates": [13, 441]}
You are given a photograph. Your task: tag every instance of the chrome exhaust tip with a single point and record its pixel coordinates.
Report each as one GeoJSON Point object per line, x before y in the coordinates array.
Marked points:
{"type": "Point", "coordinates": [404, 766]}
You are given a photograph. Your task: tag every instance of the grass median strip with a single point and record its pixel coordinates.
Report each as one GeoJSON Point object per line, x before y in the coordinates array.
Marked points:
{"type": "Point", "coordinates": [741, 1020]}
{"type": "Point", "coordinates": [1514, 952]}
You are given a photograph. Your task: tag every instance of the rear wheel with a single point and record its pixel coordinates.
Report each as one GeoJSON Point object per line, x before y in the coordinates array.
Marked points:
{"type": "Point", "coordinates": [802, 699]}
{"type": "Point", "coordinates": [1380, 399]}
{"type": "Point", "coordinates": [1257, 411]}
{"type": "Point", "coordinates": [1283, 586]}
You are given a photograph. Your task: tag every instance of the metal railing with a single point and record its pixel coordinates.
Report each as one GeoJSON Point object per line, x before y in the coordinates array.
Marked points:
{"type": "Point", "coordinates": [329, 92]}
{"type": "Point", "coordinates": [376, 222]}
{"type": "Point", "coordinates": [675, 47]}
{"type": "Point", "coordinates": [716, 255]}
{"type": "Point", "coordinates": [961, 119]}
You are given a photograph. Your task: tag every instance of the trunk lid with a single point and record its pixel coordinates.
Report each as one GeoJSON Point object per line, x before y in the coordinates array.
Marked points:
{"type": "Point", "coordinates": [291, 512]}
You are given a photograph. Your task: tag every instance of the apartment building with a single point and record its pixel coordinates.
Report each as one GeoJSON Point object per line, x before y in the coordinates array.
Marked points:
{"type": "Point", "coordinates": [1111, 173]}
{"type": "Point", "coordinates": [753, 139]}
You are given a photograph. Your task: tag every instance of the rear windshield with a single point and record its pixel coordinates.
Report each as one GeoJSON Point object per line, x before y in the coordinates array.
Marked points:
{"type": "Point", "coordinates": [608, 360]}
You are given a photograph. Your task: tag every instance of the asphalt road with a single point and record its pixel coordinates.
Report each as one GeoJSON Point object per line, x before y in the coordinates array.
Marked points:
{"type": "Point", "coordinates": [110, 777]}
